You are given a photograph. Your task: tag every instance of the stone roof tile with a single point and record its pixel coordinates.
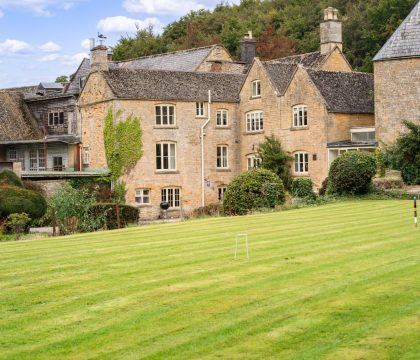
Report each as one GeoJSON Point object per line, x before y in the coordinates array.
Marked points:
{"type": "Point", "coordinates": [174, 85]}
{"type": "Point", "coordinates": [405, 41]}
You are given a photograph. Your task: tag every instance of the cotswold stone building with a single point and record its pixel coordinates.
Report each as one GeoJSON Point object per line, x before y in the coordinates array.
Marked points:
{"type": "Point", "coordinates": [204, 115]}
{"type": "Point", "coordinates": [397, 79]}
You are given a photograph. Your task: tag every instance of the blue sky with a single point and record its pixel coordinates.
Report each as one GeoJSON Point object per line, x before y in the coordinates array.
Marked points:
{"type": "Point", "coordinates": [42, 39]}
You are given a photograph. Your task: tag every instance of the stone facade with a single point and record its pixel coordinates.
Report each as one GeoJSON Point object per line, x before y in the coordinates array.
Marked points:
{"type": "Point", "coordinates": [397, 94]}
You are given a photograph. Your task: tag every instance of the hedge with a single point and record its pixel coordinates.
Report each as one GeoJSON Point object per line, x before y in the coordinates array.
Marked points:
{"type": "Point", "coordinates": [8, 177]}
{"type": "Point", "coordinates": [128, 215]}
{"type": "Point", "coordinates": [302, 187]}
{"type": "Point", "coordinates": [14, 199]}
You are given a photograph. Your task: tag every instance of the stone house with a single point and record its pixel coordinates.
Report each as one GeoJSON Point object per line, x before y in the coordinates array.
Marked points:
{"type": "Point", "coordinates": [202, 124]}
{"type": "Point", "coordinates": [397, 79]}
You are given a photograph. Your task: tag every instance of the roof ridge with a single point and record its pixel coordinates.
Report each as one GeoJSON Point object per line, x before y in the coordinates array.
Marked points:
{"type": "Point", "coordinates": [207, 73]}
{"type": "Point", "coordinates": [290, 56]}
{"type": "Point", "coordinates": [167, 53]}
{"type": "Point", "coordinates": [338, 72]}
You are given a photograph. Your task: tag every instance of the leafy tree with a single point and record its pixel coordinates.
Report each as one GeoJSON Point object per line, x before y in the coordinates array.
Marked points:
{"type": "Point", "coordinates": [62, 79]}
{"type": "Point", "coordinates": [274, 158]}
{"type": "Point", "coordinates": [17, 223]}
{"type": "Point", "coordinates": [404, 154]}
{"type": "Point", "coordinates": [274, 45]}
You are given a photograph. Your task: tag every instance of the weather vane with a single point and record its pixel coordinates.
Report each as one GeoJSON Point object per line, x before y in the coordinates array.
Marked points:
{"type": "Point", "coordinates": [101, 38]}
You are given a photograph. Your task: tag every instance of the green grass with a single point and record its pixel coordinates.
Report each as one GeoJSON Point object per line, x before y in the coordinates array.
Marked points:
{"type": "Point", "coordinates": [340, 281]}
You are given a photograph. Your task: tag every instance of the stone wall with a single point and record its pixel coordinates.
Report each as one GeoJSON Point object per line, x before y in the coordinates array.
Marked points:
{"type": "Point", "coordinates": [336, 62]}
{"type": "Point", "coordinates": [397, 94]}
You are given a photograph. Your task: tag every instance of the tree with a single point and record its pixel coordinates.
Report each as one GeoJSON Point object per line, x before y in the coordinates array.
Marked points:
{"type": "Point", "coordinates": [404, 154]}
{"type": "Point", "coordinates": [274, 158]}
{"type": "Point", "coordinates": [62, 79]}
{"type": "Point", "coordinates": [272, 45]}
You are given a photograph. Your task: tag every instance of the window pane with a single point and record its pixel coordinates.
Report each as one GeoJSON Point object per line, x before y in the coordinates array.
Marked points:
{"type": "Point", "coordinates": [158, 157]}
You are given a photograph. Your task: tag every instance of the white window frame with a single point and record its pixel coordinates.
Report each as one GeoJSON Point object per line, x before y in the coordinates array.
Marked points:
{"type": "Point", "coordinates": [222, 118]}
{"type": "Point", "coordinates": [55, 118]}
{"type": "Point", "coordinates": [254, 121]}
{"type": "Point", "coordinates": [253, 161]}
{"type": "Point", "coordinates": [142, 196]}
{"type": "Point", "coordinates": [199, 109]}
{"type": "Point", "coordinates": [300, 116]}
{"type": "Point", "coordinates": [256, 88]}
{"type": "Point", "coordinates": [171, 195]}
{"type": "Point", "coordinates": [163, 116]}
{"type": "Point", "coordinates": [221, 193]}
{"type": "Point", "coordinates": [301, 162]}
{"type": "Point", "coordinates": [222, 156]}
{"type": "Point", "coordinates": [169, 158]}
{"type": "Point", "coordinates": [36, 159]}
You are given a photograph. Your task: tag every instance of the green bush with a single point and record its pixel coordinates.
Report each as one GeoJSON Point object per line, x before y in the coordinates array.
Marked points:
{"type": "Point", "coordinates": [208, 210]}
{"type": "Point", "coordinates": [8, 177]}
{"type": "Point", "coordinates": [255, 189]}
{"type": "Point", "coordinates": [72, 209]}
{"type": "Point", "coordinates": [15, 199]}
{"type": "Point", "coordinates": [352, 173]}
{"type": "Point", "coordinates": [302, 187]}
{"type": "Point", "coordinates": [17, 223]}
{"type": "Point", "coordinates": [108, 215]}
{"type": "Point", "coordinates": [404, 155]}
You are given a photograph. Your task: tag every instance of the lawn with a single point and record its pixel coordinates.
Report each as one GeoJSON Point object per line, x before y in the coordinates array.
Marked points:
{"type": "Point", "coordinates": [341, 281]}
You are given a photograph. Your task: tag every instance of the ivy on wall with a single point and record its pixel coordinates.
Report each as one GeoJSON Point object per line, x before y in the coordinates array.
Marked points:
{"type": "Point", "coordinates": [123, 143]}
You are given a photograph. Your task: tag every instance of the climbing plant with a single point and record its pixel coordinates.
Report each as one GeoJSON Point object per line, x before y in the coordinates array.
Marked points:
{"type": "Point", "coordinates": [123, 143]}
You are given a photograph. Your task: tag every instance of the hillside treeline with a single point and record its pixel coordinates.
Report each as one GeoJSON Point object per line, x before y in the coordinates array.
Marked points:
{"type": "Point", "coordinates": [282, 28]}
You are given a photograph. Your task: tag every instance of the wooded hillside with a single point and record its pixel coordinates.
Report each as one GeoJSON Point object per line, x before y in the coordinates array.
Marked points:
{"type": "Point", "coordinates": [282, 27]}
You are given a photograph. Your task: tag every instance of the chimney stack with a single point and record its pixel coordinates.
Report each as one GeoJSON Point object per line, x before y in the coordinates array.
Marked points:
{"type": "Point", "coordinates": [331, 33]}
{"type": "Point", "coordinates": [248, 48]}
{"type": "Point", "coordinates": [99, 58]}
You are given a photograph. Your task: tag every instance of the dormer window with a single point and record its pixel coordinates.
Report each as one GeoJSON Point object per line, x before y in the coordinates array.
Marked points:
{"type": "Point", "coordinates": [363, 134]}
{"type": "Point", "coordinates": [55, 118]}
{"type": "Point", "coordinates": [256, 88]}
{"type": "Point", "coordinates": [82, 81]}
{"type": "Point", "coordinates": [300, 116]}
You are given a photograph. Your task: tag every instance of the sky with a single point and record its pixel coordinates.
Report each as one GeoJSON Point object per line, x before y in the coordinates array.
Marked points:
{"type": "Point", "coordinates": [43, 39]}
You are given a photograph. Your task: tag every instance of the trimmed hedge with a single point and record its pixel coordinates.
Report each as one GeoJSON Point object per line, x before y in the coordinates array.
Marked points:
{"type": "Point", "coordinates": [302, 187]}
{"type": "Point", "coordinates": [8, 177]}
{"type": "Point", "coordinates": [352, 173]}
{"type": "Point", "coordinates": [107, 211]}
{"type": "Point", "coordinates": [14, 199]}
{"type": "Point", "coordinates": [252, 190]}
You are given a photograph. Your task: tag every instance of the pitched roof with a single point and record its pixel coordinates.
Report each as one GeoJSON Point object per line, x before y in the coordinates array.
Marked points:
{"type": "Point", "coordinates": [30, 89]}
{"type": "Point", "coordinates": [184, 60]}
{"type": "Point", "coordinates": [82, 71]}
{"type": "Point", "coordinates": [345, 92]}
{"type": "Point", "coordinates": [51, 85]}
{"type": "Point", "coordinates": [280, 74]}
{"type": "Point", "coordinates": [16, 121]}
{"type": "Point", "coordinates": [310, 60]}
{"type": "Point", "coordinates": [173, 85]}
{"type": "Point", "coordinates": [405, 41]}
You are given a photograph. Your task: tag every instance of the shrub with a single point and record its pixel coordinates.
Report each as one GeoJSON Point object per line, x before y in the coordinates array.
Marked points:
{"type": "Point", "coordinates": [324, 187]}
{"type": "Point", "coordinates": [380, 163]}
{"type": "Point", "coordinates": [101, 186]}
{"type": "Point", "coordinates": [274, 158]}
{"type": "Point", "coordinates": [404, 155]}
{"type": "Point", "coordinates": [302, 187]}
{"type": "Point", "coordinates": [352, 173]}
{"type": "Point", "coordinates": [253, 190]}
{"type": "Point", "coordinates": [208, 210]}
{"type": "Point", "coordinates": [8, 177]}
{"type": "Point", "coordinates": [72, 209]}
{"type": "Point", "coordinates": [33, 185]}
{"type": "Point", "coordinates": [107, 214]}
{"type": "Point", "coordinates": [17, 223]}
{"type": "Point", "coordinates": [18, 200]}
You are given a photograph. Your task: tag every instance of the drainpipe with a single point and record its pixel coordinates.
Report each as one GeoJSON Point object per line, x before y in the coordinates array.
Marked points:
{"type": "Point", "coordinates": [202, 149]}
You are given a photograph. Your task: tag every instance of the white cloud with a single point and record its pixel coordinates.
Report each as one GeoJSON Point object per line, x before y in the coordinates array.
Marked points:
{"type": "Point", "coordinates": [73, 60]}
{"type": "Point", "coordinates": [39, 7]}
{"type": "Point", "coordinates": [50, 46]}
{"type": "Point", "coordinates": [1, 14]}
{"type": "Point", "coordinates": [85, 44]}
{"type": "Point", "coordinates": [163, 7]}
{"type": "Point", "coordinates": [10, 47]}
{"type": "Point", "coordinates": [123, 23]}
{"type": "Point", "coordinates": [49, 57]}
